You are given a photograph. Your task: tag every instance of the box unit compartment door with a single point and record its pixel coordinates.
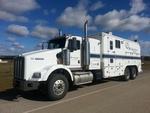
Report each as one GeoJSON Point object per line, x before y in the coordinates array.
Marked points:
{"type": "Point", "coordinates": [114, 60]}
{"type": "Point", "coordinates": [111, 57]}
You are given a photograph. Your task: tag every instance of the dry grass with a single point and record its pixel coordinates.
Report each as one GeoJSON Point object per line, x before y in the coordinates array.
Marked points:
{"type": "Point", "coordinates": [146, 65]}
{"type": "Point", "coordinates": [6, 74]}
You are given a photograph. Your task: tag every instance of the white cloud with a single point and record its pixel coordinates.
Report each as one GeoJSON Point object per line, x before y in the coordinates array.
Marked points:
{"type": "Point", "coordinates": [11, 17]}
{"type": "Point", "coordinates": [22, 19]}
{"type": "Point", "coordinates": [12, 49]}
{"type": "Point", "coordinates": [74, 16]}
{"type": "Point", "coordinates": [21, 47]}
{"type": "Point", "coordinates": [11, 10]}
{"type": "Point", "coordinates": [96, 6]}
{"type": "Point", "coordinates": [38, 46]}
{"type": "Point", "coordinates": [92, 28]}
{"type": "Point", "coordinates": [18, 6]}
{"type": "Point", "coordinates": [137, 6]}
{"type": "Point", "coordinates": [10, 39]}
{"type": "Point", "coordinates": [17, 30]}
{"type": "Point", "coordinates": [15, 44]}
{"type": "Point", "coordinates": [44, 31]}
{"type": "Point", "coordinates": [45, 12]}
{"type": "Point", "coordinates": [125, 20]}
{"type": "Point", "coordinates": [110, 20]}
{"type": "Point", "coordinates": [134, 37]}
{"type": "Point", "coordinates": [2, 49]}
{"type": "Point", "coordinates": [41, 22]}
{"type": "Point", "coordinates": [145, 47]}
{"type": "Point", "coordinates": [144, 44]}
{"type": "Point", "coordinates": [53, 11]}
{"type": "Point", "coordinates": [122, 21]}
{"type": "Point", "coordinates": [147, 29]}
{"type": "Point", "coordinates": [134, 23]}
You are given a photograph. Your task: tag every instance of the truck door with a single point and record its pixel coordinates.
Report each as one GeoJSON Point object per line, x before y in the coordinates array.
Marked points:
{"type": "Point", "coordinates": [75, 56]}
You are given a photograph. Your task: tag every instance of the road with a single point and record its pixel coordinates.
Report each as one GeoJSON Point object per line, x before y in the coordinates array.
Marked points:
{"type": "Point", "coordinates": [107, 96]}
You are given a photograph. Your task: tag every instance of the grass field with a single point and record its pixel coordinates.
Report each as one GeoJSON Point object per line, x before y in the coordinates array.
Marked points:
{"type": "Point", "coordinates": [6, 74]}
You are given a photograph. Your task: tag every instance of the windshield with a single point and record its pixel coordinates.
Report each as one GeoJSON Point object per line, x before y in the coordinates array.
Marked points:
{"type": "Point", "coordinates": [57, 43]}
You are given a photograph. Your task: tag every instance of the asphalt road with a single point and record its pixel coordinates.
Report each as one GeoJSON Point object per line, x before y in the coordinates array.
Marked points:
{"type": "Point", "coordinates": [107, 96]}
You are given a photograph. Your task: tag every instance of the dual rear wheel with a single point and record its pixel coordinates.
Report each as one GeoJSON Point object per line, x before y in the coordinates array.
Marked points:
{"type": "Point", "coordinates": [130, 73]}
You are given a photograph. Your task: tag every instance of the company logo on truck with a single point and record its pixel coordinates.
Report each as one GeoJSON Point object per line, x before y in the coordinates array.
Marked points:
{"type": "Point", "coordinates": [130, 48]}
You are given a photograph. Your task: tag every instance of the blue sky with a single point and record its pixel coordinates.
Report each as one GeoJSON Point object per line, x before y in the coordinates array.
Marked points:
{"type": "Point", "coordinates": [24, 24]}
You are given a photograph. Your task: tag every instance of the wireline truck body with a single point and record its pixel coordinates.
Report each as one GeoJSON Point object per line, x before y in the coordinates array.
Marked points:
{"type": "Point", "coordinates": [73, 60]}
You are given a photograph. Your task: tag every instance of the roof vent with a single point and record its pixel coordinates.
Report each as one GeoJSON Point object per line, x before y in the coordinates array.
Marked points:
{"type": "Point", "coordinates": [110, 33]}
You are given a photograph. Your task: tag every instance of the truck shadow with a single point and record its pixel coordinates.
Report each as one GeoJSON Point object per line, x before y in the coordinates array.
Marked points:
{"type": "Point", "coordinates": [9, 94]}
{"type": "Point", "coordinates": [15, 95]}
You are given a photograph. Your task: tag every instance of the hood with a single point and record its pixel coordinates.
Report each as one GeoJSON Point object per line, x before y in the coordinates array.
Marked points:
{"type": "Point", "coordinates": [41, 53]}
{"type": "Point", "coordinates": [37, 60]}
{"type": "Point", "coordinates": [42, 56]}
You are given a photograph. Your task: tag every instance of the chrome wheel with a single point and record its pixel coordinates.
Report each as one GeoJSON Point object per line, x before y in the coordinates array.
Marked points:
{"type": "Point", "coordinates": [59, 87]}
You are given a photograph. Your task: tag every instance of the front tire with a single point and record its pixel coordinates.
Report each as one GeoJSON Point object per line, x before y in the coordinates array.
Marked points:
{"type": "Point", "coordinates": [57, 87]}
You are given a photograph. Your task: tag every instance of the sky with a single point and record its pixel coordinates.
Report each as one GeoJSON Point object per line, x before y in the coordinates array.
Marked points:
{"type": "Point", "coordinates": [25, 24]}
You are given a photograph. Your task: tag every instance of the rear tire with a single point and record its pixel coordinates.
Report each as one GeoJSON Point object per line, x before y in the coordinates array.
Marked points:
{"type": "Point", "coordinates": [126, 75]}
{"type": "Point", "coordinates": [57, 87]}
{"type": "Point", "coordinates": [133, 72]}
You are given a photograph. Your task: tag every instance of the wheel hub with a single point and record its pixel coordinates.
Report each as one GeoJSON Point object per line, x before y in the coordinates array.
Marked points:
{"type": "Point", "coordinates": [59, 87]}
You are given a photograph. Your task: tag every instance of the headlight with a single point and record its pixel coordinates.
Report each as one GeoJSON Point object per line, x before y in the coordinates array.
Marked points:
{"type": "Point", "coordinates": [37, 75]}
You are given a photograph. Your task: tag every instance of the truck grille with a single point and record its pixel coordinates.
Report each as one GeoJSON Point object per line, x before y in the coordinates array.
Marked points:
{"type": "Point", "coordinates": [19, 68]}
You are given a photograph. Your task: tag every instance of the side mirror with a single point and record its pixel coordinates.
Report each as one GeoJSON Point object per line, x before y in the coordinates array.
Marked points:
{"type": "Point", "coordinates": [73, 44]}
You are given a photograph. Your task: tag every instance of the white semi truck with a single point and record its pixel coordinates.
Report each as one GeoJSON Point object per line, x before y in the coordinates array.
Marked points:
{"type": "Point", "coordinates": [73, 60]}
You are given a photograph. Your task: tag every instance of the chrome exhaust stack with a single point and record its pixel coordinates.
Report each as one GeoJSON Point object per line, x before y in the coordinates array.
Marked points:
{"type": "Point", "coordinates": [85, 49]}
{"type": "Point", "coordinates": [60, 32]}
